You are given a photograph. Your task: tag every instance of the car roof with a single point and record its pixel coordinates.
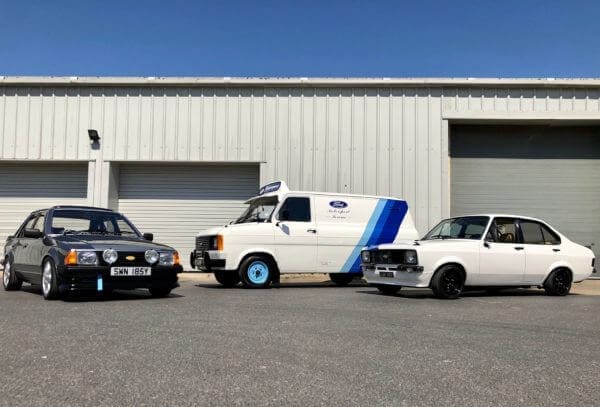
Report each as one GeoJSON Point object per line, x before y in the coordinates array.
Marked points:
{"type": "Point", "coordinates": [499, 215]}
{"type": "Point", "coordinates": [82, 207]}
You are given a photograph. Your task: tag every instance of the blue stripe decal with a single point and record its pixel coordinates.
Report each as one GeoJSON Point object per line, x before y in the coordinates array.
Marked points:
{"type": "Point", "coordinates": [382, 228]}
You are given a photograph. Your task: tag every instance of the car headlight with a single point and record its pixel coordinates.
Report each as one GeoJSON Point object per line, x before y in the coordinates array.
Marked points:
{"type": "Point", "coordinates": [87, 258]}
{"type": "Point", "coordinates": [151, 256]}
{"type": "Point", "coordinates": [166, 259]}
{"type": "Point", "coordinates": [410, 257]}
{"type": "Point", "coordinates": [366, 256]}
{"type": "Point", "coordinates": [110, 256]}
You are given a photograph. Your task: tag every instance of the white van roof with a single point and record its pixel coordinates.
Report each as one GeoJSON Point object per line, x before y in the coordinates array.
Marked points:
{"type": "Point", "coordinates": [279, 188]}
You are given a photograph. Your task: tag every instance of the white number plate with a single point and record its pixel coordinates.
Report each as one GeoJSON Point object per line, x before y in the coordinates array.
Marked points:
{"type": "Point", "coordinates": [130, 271]}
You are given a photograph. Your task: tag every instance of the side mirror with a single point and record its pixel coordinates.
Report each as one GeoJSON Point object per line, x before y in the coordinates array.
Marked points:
{"type": "Point", "coordinates": [486, 242]}
{"type": "Point", "coordinates": [148, 236]}
{"type": "Point", "coordinates": [32, 233]}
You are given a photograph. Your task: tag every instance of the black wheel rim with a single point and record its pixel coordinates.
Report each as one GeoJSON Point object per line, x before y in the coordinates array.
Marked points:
{"type": "Point", "coordinates": [562, 282]}
{"type": "Point", "coordinates": [452, 283]}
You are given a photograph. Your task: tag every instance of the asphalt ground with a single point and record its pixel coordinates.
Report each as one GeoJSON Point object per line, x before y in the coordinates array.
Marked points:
{"type": "Point", "coordinates": [305, 343]}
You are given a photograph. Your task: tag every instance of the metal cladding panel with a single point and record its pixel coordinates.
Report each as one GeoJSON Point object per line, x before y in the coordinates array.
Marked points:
{"type": "Point", "coordinates": [27, 187]}
{"type": "Point", "coordinates": [177, 201]}
{"type": "Point", "coordinates": [387, 140]}
{"type": "Point", "coordinates": [552, 173]}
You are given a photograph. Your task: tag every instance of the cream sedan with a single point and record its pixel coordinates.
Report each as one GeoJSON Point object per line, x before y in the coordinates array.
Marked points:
{"type": "Point", "coordinates": [490, 251]}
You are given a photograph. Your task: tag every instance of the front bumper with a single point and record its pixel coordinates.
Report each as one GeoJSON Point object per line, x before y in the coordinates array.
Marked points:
{"type": "Point", "coordinates": [208, 261]}
{"type": "Point", "coordinates": [81, 278]}
{"type": "Point", "coordinates": [397, 275]}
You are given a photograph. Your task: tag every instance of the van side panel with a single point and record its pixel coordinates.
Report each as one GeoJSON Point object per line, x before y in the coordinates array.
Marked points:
{"type": "Point", "coordinates": [347, 224]}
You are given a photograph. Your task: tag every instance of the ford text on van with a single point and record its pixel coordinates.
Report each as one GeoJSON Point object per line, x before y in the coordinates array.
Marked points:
{"type": "Point", "coordinates": [285, 231]}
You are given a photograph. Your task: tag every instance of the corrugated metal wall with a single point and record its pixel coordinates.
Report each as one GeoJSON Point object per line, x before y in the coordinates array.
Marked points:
{"type": "Point", "coordinates": [388, 141]}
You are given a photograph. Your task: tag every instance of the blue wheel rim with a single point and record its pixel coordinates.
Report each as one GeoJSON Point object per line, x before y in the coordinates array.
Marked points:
{"type": "Point", "coordinates": [258, 272]}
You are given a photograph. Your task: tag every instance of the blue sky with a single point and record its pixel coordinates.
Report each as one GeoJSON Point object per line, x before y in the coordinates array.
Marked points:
{"type": "Point", "coordinates": [301, 38]}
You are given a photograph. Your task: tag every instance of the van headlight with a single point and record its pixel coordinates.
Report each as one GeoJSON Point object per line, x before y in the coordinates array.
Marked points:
{"type": "Point", "coordinates": [410, 257]}
{"type": "Point", "coordinates": [365, 256]}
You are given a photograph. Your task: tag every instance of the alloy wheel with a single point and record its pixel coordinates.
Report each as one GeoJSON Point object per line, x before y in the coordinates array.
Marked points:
{"type": "Point", "coordinates": [6, 276]}
{"type": "Point", "coordinates": [47, 278]}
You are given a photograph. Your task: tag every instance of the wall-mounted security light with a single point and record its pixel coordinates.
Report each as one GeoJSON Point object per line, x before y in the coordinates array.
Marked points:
{"type": "Point", "coordinates": [94, 137]}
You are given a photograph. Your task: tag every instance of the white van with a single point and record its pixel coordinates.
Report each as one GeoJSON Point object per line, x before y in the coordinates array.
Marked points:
{"type": "Point", "coordinates": [285, 231]}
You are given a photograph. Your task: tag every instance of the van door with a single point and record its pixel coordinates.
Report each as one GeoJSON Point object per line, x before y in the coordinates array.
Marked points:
{"type": "Point", "coordinates": [296, 236]}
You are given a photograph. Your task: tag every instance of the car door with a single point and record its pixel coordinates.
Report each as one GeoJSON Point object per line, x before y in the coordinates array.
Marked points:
{"type": "Point", "coordinates": [296, 235]}
{"type": "Point", "coordinates": [502, 257]}
{"type": "Point", "coordinates": [542, 249]}
{"type": "Point", "coordinates": [20, 245]}
{"type": "Point", "coordinates": [33, 252]}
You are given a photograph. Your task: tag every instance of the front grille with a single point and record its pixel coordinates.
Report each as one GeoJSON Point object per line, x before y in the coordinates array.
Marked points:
{"type": "Point", "coordinates": [387, 256]}
{"type": "Point", "coordinates": [202, 243]}
{"type": "Point", "coordinates": [139, 259]}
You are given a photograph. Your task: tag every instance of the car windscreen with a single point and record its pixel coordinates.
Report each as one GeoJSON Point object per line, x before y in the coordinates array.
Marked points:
{"type": "Point", "coordinates": [91, 222]}
{"type": "Point", "coordinates": [259, 210]}
{"type": "Point", "coordinates": [468, 227]}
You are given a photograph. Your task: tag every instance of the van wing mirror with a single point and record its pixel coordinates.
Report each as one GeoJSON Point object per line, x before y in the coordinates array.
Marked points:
{"type": "Point", "coordinates": [32, 233]}
{"type": "Point", "coordinates": [148, 236]}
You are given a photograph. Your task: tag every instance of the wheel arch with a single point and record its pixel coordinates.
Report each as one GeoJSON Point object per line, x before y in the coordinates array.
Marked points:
{"type": "Point", "coordinates": [559, 266]}
{"type": "Point", "coordinates": [453, 263]}
{"type": "Point", "coordinates": [257, 252]}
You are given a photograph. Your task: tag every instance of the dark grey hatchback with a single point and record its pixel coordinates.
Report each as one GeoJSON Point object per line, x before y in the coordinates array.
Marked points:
{"type": "Point", "coordinates": [75, 248]}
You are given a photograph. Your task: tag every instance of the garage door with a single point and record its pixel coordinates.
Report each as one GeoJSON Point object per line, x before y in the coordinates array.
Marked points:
{"type": "Point", "coordinates": [175, 202]}
{"type": "Point", "coordinates": [551, 173]}
{"type": "Point", "coordinates": [25, 187]}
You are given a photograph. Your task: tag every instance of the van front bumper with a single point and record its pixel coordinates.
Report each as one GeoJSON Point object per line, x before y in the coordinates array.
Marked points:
{"type": "Point", "coordinates": [397, 275]}
{"type": "Point", "coordinates": [208, 261]}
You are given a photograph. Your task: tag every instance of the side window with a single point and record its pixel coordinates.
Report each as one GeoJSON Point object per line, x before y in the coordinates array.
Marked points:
{"type": "Point", "coordinates": [532, 232]}
{"type": "Point", "coordinates": [549, 236]}
{"type": "Point", "coordinates": [28, 225]}
{"type": "Point", "coordinates": [295, 209]}
{"type": "Point", "coordinates": [39, 224]}
{"type": "Point", "coordinates": [503, 230]}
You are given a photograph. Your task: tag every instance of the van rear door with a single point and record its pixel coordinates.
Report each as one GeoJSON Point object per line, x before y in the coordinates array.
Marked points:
{"type": "Point", "coordinates": [296, 236]}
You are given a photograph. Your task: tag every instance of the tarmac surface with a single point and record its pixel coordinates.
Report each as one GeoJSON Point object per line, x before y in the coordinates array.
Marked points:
{"type": "Point", "coordinates": [305, 343]}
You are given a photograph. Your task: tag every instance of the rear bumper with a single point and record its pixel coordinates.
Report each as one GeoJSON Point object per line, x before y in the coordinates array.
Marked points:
{"type": "Point", "coordinates": [407, 277]}
{"type": "Point", "coordinates": [71, 279]}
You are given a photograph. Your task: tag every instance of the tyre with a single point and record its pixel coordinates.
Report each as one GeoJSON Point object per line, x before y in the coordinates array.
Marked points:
{"type": "Point", "coordinates": [448, 282]}
{"type": "Point", "coordinates": [160, 292]}
{"type": "Point", "coordinates": [558, 282]}
{"type": "Point", "coordinates": [227, 278]}
{"type": "Point", "coordinates": [341, 279]}
{"type": "Point", "coordinates": [257, 272]}
{"type": "Point", "coordinates": [388, 289]}
{"type": "Point", "coordinates": [10, 280]}
{"type": "Point", "coordinates": [49, 281]}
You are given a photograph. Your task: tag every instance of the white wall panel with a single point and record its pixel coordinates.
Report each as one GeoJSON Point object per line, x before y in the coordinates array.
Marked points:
{"type": "Point", "coordinates": [380, 140]}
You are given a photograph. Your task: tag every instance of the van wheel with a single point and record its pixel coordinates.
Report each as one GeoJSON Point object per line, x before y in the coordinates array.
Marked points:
{"type": "Point", "coordinates": [558, 282]}
{"type": "Point", "coordinates": [341, 279]}
{"type": "Point", "coordinates": [448, 282]}
{"type": "Point", "coordinates": [10, 280]}
{"type": "Point", "coordinates": [256, 272]}
{"type": "Point", "coordinates": [227, 278]}
{"type": "Point", "coordinates": [388, 289]}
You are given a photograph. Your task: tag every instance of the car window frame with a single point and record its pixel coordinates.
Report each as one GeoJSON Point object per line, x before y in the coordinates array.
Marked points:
{"type": "Point", "coordinates": [21, 230]}
{"type": "Point", "coordinates": [542, 225]}
{"type": "Point", "coordinates": [310, 208]}
{"type": "Point", "coordinates": [515, 220]}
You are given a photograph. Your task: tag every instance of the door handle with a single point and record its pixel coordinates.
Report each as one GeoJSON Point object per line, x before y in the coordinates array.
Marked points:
{"type": "Point", "coordinates": [311, 230]}
{"type": "Point", "coordinates": [24, 245]}
{"type": "Point", "coordinates": [556, 250]}
{"type": "Point", "coordinates": [519, 248]}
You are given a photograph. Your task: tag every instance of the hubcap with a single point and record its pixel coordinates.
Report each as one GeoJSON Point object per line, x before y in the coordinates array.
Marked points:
{"type": "Point", "coordinates": [6, 276]}
{"type": "Point", "coordinates": [47, 278]}
{"type": "Point", "coordinates": [258, 272]}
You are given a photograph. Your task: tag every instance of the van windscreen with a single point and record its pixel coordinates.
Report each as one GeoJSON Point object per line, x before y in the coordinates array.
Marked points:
{"type": "Point", "coordinates": [259, 210]}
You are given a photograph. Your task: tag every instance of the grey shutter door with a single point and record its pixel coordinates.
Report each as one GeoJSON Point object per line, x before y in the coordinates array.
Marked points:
{"type": "Point", "coordinates": [175, 202]}
{"type": "Point", "coordinates": [552, 173]}
{"type": "Point", "coordinates": [25, 187]}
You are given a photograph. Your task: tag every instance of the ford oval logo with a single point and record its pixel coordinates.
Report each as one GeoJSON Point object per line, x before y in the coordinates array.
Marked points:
{"type": "Point", "coordinates": [338, 204]}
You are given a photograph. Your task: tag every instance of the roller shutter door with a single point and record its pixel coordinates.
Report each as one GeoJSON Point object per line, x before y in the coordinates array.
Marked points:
{"type": "Point", "coordinates": [175, 202]}
{"type": "Point", "coordinates": [552, 173]}
{"type": "Point", "coordinates": [25, 187]}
